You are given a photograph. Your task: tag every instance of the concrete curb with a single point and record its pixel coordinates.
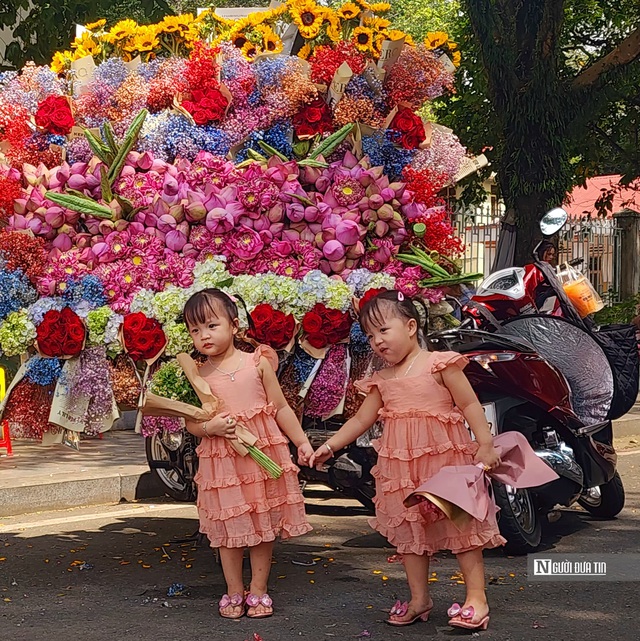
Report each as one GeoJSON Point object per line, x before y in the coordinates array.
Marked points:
{"type": "Point", "coordinates": [63, 494]}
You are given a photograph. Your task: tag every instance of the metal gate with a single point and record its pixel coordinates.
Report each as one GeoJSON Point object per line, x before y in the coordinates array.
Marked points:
{"type": "Point", "coordinates": [596, 241]}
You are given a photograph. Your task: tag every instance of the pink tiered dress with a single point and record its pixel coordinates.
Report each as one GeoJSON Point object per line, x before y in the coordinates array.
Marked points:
{"type": "Point", "coordinates": [239, 504]}
{"type": "Point", "coordinates": [423, 432]}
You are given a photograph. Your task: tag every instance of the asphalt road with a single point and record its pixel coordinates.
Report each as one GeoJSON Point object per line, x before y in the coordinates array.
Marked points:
{"type": "Point", "coordinates": [103, 574]}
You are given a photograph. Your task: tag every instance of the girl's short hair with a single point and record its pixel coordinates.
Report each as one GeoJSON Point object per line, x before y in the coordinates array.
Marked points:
{"type": "Point", "coordinates": [376, 309]}
{"type": "Point", "coordinates": [207, 303]}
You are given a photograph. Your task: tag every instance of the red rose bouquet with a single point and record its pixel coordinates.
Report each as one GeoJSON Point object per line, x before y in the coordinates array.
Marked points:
{"type": "Point", "coordinates": [324, 326]}
{"type": "Point", "coordinates": [61, 334]}
{"type": "Point", "coordinates": [54, 115]}
{"type": "Point", "coordinates": [206, 105]}
{"type": "Point", "coordinates": [409, 127]}
{"type": "Point", "coordinates": [271, 326]}
{"type": "Point", "coordinates": [312, 119]}
{"type": "Point", "coordinates": [143, 338]}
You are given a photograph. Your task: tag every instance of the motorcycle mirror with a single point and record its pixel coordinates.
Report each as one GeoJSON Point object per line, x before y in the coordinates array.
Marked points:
{"type": "Point", "coordinates": [553, 221]}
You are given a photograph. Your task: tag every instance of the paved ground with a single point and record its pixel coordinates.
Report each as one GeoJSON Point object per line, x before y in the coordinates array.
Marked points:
{"type": "Point", "coordinates": [103, 573]}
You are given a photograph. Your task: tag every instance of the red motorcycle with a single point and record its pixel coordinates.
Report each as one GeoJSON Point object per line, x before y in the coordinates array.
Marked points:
{"type": "Point", "coordinates": [539, 368]}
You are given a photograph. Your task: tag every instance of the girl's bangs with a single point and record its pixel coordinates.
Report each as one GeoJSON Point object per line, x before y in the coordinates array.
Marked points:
{"type": "Point", "coordinates": [200, 308]}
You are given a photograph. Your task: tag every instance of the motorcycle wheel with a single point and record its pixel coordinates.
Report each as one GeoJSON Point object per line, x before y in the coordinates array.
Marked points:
{"type": "Point", "coordinates": [605, 501]}
{"type": "Point", "coordinates": [518, 519]}
{"type": "Point", "coordinates": [365, 495]}
{"type": "Point", "coordinates": [175, 485]}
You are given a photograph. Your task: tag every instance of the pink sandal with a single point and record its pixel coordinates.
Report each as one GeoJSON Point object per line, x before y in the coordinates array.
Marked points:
{"type": "Point", "coordinates": [400, 609]}
{"type": "Point", "coordinates": [253, 601]}
{"type": "Point", "coordinates": [462, 617]}
{"type": "Point", "coordinates": [234, 601]}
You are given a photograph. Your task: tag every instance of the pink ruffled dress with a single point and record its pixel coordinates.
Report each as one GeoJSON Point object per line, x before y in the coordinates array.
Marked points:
{"type": "Point", "coordinates": [423, 432]}
{"type": "Point", "coordinates": [239, 504]}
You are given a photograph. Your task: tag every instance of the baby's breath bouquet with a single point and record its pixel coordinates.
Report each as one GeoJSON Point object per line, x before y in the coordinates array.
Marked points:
{"type": "Point", "coordinates": [176, 389]}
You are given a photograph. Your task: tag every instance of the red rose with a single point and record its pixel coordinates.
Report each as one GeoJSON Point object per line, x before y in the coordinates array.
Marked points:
{"type": "Point", "coordinates": [312, 323]}
{"type": "Point", "coordinates": [54, 115]}
{"type": "Point", "coordinates": [61, 333]}
{"type": "Point", "coordinates": [263, 313]}
{"type": "Point", "coordinates": [134, 322]}
{"type": "Point", "coordinates": [317, 340]}
{"type": "Point", "coordinates": [410, 127]}
{"type": "Point", "coordinates": [313, 114]}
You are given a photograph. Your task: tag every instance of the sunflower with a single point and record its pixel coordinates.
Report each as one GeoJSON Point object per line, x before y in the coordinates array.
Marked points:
{"type": "Point", "coordinates": [456, 57]}
{"type": "Point", "coordinates": [395, 34]}
{"type": "Point", "coordinates": [121, 30]}
{"type": "Point", "coordinates": [61, 60]}
{"type": "Point", "coordinates": [380, 7]}
{"type": "Point", "coordinates": [376, 23]}
{"type": "Point", "coordinates": [87, 43]}
{"type": "Point", "coordinates": [270, 40]}
{"type": "Point", "coordinates": [305, 52]}
{"type": "Point", "coordinates": [92, 26]}
{"type": "Point", "coordinates": [334, 29]}
{"type": "Point", "coordinates": [435, 39]}
{"type": "Point", "coordinates": [239, 40]}
{"type": "Point", "coordinates": [249, 50]}
{"type": "Point", "coordinates": [308, 17]}
{"type": "Point", "coordinates": [348, 11]}
{"type": "Point", "coordinates": [363, 39]}
{"type": "Point", "coordinates": [146, 39]}
{"type": "Point", "coordinates": [171, 24]}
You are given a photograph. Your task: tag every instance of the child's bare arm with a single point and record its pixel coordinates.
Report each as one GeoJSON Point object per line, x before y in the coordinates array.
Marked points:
{"type": "Point", "coordinates": [466, 400]}
{"type": "Point", "coordinates": [354, 427]}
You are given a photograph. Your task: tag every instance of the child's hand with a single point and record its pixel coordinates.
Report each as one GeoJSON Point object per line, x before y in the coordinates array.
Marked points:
{"type": "Point", "coordinates": [305, 452]}
{"type": "Point", "coordinates": [488, 456]}
{"type": "Point", "coordinates": [320, 456]}
{"type": "Point", "coordinates": [221, 425]}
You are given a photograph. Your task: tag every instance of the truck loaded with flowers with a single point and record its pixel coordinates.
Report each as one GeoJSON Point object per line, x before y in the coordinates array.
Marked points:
{"type": "Point", "coordinates": [279, 156]}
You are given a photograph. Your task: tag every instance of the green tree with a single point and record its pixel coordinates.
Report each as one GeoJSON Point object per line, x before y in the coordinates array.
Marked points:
{"type": "Point", "coordinates": [552, 87]}
{"type": "Point", "coordinates": [39, 29]}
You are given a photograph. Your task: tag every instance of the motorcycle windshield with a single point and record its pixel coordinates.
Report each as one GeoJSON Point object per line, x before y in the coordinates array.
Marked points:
{"type": "Point", "coordinates": [577, 356]}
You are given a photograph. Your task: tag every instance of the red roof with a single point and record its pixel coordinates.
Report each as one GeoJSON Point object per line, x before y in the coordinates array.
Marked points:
{"type": "Point", "coordinates": [581, 201]}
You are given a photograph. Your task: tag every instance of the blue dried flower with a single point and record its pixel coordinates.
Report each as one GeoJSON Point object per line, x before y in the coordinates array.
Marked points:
{"type": "Point", "coordinates": [43, 371]}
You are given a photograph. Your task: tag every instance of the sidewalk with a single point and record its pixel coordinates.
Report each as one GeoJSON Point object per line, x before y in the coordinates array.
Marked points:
{"type": "Point", "coordinates": [108, 470]}
{"type": "Point", "coordinates": [104, 471]}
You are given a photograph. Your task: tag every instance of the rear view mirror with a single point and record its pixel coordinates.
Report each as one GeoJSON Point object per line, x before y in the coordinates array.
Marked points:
{"type": "Point", "coordinates": [553, 221]}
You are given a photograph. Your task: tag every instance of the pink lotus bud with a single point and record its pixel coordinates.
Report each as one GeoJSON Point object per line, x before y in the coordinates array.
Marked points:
{"type": "Point", "coordinates": [369, 217]}
{"type": "Point", "coordinates": [333, 250]}
{"type": "Point", "coordinates": [175, 240]}
{"type": "Point", "coordinates": [386, 213]}
{"type": "Point", "coordinates": [291, 235]}
{"type": "Point", "coordinates": [127, 170]}
{"type": "Point", "coordinates": [145, 161]}
{"type": "Point", "coordinates": [261, 224]}
{"type": "Point", "coordinates": [331, 222]}
{"type": "Point", "coordinates": [396, 222]}
{"type": "Point", "coordinates": [219, 221]}
{"type": "Point", "coordinates": [325, 267]}
{"type": "Point", "coordinates": [399, 236]}
{"type": "Point", "coordinates": [92, 182]}
{"type": "Point", "coordinates": [355, 252]}
{"type": "Point", "coordinates": [67, 229]}
{"type": "Point", "coordinates": [338, 266]}
{"type": "Point", "coordinates": [405, 197]}
{"type": "Point", "coordinates": [347, 232]}
{"type": "Point", "coordinates": [381, 229]}
{"type": "Point", "coordinates": [136, 227]}
{"type": "Point", "coordinates": [106, 227]}
{"type": "Point", "coordinates": [54, 217]}
{"type": "Point", "coordinates": [93, 225]}
{"type": "Point", "coordinates": [121, 225]}
{"type": "Point", "coordinates": [83, 240]}
{"type": "Point", "coordinates": [20, 205]}
{"type": "Point", "coordinates": [77, 181]}
{"type": "Point", "coordinates": [166, 223]}
{"type": "Point", "coordinates": [349, 160]}
{"type": "Point", "coordinates": [323, 183]}
{"type": "Point", "coordinates": [177, 212]}
{"type": "Point", "coordinates": [190, 251]}
{"type": "Point", "coordinates": [295, 212]}
{"type": "Point", "coordinates": [170, 186]}
{"type": "Point", "coordinates": [276, 213]}
{"type": "Point", "coordinates": [311, 214]}
{"type": "Point", "coordinates": [78, 169]}
{"type": "Point", "coordinates": [71, 217]}
{"type": "Point", "coordinates": [382, 255]}
{"type": "Point", "coordinates": [310, 175]}
{"type": "Point", "coordinates": [86, 256]}
{"type": "Point", "coordinates": [282, 248]}
{"type": "Point", "coordinates": [388, 194]}
{"type": "Point", "coordinates": [376, 201]}
{"type": "Point", "coordinates": [35, 225]}
{"type": "Point", "coordinates": [62, 242]}
{"type": "Point", "coordinates": [276, 229]}
{"type": "Point", "coordinates": [398, 188]}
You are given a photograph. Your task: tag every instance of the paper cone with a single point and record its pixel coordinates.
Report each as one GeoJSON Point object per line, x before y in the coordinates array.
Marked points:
{"type": "Point", "coordinates": [454, 513]}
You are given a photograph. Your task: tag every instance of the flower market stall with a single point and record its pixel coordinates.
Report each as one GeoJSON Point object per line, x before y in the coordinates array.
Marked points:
{"type": "Point", "coordinates": [280, 156]}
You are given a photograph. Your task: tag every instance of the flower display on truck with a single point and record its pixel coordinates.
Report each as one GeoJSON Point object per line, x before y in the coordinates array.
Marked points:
{"type": "Point", "coordinates": [281, 157]}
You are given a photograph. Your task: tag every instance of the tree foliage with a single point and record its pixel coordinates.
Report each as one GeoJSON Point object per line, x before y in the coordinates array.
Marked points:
{"type": "Point", "coordinates": [550, 90]}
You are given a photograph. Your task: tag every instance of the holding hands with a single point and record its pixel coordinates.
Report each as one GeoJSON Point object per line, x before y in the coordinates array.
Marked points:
{"type": "Point", "coordinates": [322, 454]}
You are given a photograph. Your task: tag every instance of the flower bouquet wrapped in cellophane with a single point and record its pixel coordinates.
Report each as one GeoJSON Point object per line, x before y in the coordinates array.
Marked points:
{"type": "Point", "coordinates": [177, 389]}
